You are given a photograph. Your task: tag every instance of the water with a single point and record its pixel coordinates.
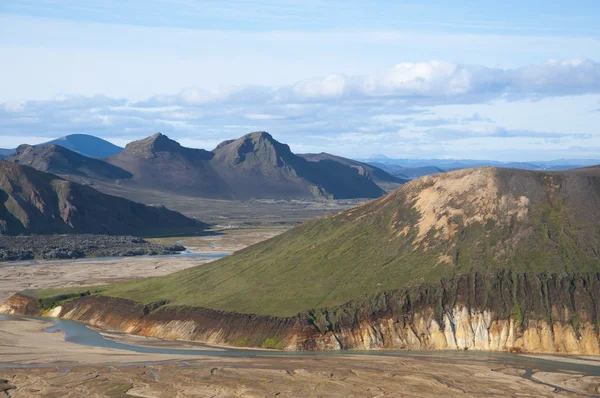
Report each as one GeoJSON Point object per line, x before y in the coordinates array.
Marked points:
{"type": "Point", "coordinates": [187, 254]}
{"type": "Point", "coordinates": [79, 333]}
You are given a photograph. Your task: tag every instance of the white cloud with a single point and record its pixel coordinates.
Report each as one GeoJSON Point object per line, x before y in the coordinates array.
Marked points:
{"type": "Point", "coordinates": [423, 109]}
{"type": "Point", "coordinates": [424, 82]}
{"type": "Point", "coordinates": [262, 116]}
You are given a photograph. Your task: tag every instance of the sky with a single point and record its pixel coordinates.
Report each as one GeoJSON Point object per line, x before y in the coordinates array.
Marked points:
{"type": "Point", "coordinates": [501, 80]}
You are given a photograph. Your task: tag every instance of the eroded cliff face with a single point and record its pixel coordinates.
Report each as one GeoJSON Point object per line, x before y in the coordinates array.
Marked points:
{"type": "Point", "coordinates": [544, 313]}
{"type": "Point", "coordinates": [462, 329]}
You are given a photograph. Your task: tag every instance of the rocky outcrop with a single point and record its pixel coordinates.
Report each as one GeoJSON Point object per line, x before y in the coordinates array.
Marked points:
{"type": "Point", "coordinates": [13, 248]}
{"type": "Point", "coordinates": [20, 304]}
{"type": "Point", "coordinates": [543, 313]}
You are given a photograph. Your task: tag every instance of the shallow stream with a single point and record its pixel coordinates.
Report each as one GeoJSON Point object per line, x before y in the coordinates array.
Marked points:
{"type": "Point", "coordinates": [80, 333]}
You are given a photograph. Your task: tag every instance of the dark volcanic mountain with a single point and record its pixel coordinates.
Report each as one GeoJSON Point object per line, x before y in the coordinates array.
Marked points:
{"type": "Point", "coordinates": [32, 201]}
{"type": "Point", "coordinates": [379, 176]}
{"type": "Point", "coordinates": [160, 163]}
{"type": "Point", "coordinates": [64, 162]}
{"type": "Point", "coordinates": [478, 259]}
{"type": "Point", "coordinates": [256, 165]}
{"type": "Point", "coordinates": [253, 166]}
{"type": "Point", "coordinates": [87, 145]}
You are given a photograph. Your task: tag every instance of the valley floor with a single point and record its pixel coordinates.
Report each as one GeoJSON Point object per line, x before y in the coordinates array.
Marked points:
{"type": "Point", "coordinates": [17, 276]}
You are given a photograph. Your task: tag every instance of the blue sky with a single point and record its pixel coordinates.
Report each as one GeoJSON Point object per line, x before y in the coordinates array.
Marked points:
{"type": "Point", "coordinates": [512, 80]}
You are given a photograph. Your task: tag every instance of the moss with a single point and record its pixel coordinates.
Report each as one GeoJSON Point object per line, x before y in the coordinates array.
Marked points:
{"type": "Point", "coordinates": [575, 322]}
{"type": "Point", "coordinates": [243, 342]}
{"type": "Point", "coordinates": [518, 315]}
{"type": "Point", "coordinates": [272, 343]}
{"type": "Point", "coordinates": [47, 303]}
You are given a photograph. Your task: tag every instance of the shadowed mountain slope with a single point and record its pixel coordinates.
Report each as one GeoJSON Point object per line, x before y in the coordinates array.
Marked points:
{"type": "Point", "coordinates": [256, 165]}
{"type": "Point", "coordinates": [379, 176]}
{"type": "Point", "coordinates": [163, 164]}
{"type": "Point", "coordinates": [32, 201]}
{"type": "Point", "coordinates": [476, 220]}
{"type": "Point", "coordinates": [87, 145]}
{"type": "Point", "coordinates": [253, 166]}
{"type": "Point", "coordinates": [64, 162]}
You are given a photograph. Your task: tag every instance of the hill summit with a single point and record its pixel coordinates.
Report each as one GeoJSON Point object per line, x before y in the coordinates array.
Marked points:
{"type": "Point", "coordinates": [87, 145]}
{"type": "Point", "coordinates": [61, 161]}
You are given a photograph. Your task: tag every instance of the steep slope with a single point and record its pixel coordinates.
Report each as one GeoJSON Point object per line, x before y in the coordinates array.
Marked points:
{"type": "Point", "coordinates": [256, 165]}
{"type": "Point", "coordinates": [430, 228]}
{"type": "Point", "coordinates": [32, 201]}
{"type": "Point", "coordinates": [87, 145]}
{"type": "Point", "coordinates": [491, 259]}
{"type": "Point", "coordinates": [160, 163]}
{"type": "Point", "coordinates": [64, 162]}
{"type": "Point", "coordinates": [380, 177]}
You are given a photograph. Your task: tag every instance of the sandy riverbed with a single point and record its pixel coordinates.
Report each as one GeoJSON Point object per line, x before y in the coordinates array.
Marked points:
{"type": "Point", "coordinates": [62, 369]}
{"type": "Point", "coordinates": [16, 276]}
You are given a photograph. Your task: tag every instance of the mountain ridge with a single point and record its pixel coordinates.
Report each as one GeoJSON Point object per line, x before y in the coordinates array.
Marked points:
{"type": "Point", "coordinates": [61, 161]}
{"type": "Point", "coordinates": [32, 201]}
{"type": "Point", "coordinates": [252, 166]}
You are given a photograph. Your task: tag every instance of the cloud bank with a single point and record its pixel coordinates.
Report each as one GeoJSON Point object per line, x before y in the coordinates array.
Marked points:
{"type": "Point", "coordinates": [397, 110]}
{"type": "Point", "coordinates": [428, 81]}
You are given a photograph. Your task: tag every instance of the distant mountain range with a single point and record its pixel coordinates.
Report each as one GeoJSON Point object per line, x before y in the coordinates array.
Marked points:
{"type": "Point", "coordinates": [382, 178]}
{"type": "Point", "coordinates": [87, 145]}
{"type": "Point", "coordinates": [253, 166]}
{"type": "Point", "coordinates": [413, 168]}
{"type": "Point", "coordinates": [5, 152]}
{"type": "Point", "coordinates": [32, 201]}
{"type": "Point", "coordinates": [84, 144]}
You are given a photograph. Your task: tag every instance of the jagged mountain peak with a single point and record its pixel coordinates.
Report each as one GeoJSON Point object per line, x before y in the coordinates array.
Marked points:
{"type": "Point", "coordinates": [151, 145]}
{"type": "Point", "coordinates": [258, 146]}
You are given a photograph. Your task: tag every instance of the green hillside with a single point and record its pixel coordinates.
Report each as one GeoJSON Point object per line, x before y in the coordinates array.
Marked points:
{"type": "Point", "coordinates": [433, 227]}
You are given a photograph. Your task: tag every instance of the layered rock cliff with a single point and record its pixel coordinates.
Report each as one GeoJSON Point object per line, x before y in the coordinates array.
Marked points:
{"type": "Point", "coordinates": [503, 311]}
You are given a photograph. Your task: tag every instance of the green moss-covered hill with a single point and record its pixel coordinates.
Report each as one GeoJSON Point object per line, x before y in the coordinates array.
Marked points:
{"type": "Point", "coordinates": [431, 228]}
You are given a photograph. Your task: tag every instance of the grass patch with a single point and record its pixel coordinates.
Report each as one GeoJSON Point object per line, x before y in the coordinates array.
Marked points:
{"type": "Point", "coordinates": [240, 342]}
{"type": "Point", "coordinates": [273, 343]}
{"type": "Point", "coordinates": [47, 303]}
